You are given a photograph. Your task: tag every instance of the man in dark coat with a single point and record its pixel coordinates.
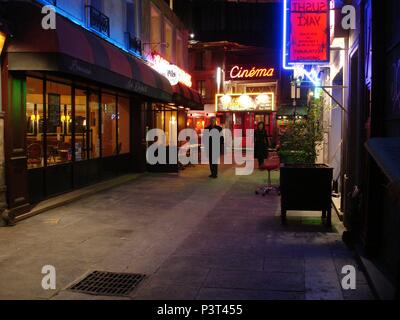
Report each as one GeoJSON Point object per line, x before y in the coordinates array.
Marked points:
{"type": "Point", "coordinates": [213, 162]}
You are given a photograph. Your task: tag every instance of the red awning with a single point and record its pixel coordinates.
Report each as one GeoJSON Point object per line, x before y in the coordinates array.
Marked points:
{"type": "Point", "coordinates": [72, 49]}
{"type": "Point", "coordinates": [187, 97]}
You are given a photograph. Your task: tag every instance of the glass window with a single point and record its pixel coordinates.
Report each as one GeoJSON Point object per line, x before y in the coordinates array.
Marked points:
{"type": "Point", "coordinates": [109, 125]}
{"type": "Point", "coordinates": [201, 88]}
{"type": "Point", "coordinates": [179, 51]}
{"type": "Point", "coordinates": [199, 60]}
{"type": "Point", "coordinates": [81, 137]}
{"type": "Point", "coordinates": [94, 126]}
{"type": "Point", "coordinates": [58, 123]}
{"type": "Point", "coordinates": [130, 18]}
{"type": "Point", "coordinates": [169, 42]}
{"type": "Point", "coordinates": [123, 125]}
{"type": "Point", "coordinates": [34, 118]}
{"type": "Point", "coordinates": [155, 28]}
{"type": "Point", "coordinates": [171, 127]}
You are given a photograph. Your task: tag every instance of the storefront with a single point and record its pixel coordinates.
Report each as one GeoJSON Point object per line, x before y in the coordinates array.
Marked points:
{"type": "Point", "coordinates": [73, 113]}
{"type": "Point", "coordinates": [250, 98]}
{"type": "Point", "coordinates": [287, 115]}
{"type": "Point", "coordinates": [170, 117]}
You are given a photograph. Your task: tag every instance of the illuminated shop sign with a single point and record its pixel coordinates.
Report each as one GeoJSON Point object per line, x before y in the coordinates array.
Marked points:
{"type": "Point", "coordinates": [252, 72]}
{"type": "Point", "coordinates": [307, 25]}
{"type": "Point", "coordinates": [172, 72]}
{"type": "Point", "coordinates": [245, 102]}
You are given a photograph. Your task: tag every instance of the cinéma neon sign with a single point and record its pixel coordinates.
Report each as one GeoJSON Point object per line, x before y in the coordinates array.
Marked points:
{"type": "Point", "coordinates": [238, 72]}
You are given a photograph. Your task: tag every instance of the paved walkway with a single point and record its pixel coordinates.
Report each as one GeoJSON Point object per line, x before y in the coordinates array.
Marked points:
{"type": "Point", "coordinates": [193, 237]}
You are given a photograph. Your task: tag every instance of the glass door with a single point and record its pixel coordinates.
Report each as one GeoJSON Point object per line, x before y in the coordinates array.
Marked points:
{"type": "Point", "coordinates": [93, 126]}
{"type": "Point", "coordinates": [81, 125]}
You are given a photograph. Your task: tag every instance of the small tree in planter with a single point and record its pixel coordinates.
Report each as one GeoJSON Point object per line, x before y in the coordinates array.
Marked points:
{"type": "Point", "coordinates": [305, 185]}
{"type": "Point", "coordinates": [302, 138]}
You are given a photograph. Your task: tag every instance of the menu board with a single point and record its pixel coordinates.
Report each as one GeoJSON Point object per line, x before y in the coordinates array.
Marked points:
{"type": "Point", "coordinates": [309, 31]}
{"type": "Point", "coordinates": [54, 110]}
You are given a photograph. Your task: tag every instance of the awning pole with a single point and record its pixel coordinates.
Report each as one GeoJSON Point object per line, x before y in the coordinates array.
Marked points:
{"type": "Point", "coordinates": [334, 99]}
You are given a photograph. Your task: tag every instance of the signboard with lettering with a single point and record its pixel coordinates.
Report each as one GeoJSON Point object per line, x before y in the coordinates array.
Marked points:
{"type": "Point", "coordinates": [245, 102]}
{"type": "Point", "coordinates": [308, 29]}
{"type": "Point", "coordinates": [172, 72]}
{"type": "Point", "coordinates": [250, 72]}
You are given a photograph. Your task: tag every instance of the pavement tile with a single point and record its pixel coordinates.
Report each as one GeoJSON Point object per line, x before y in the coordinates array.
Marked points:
{"type": "Point", "coordinates": [239, 294]}
{"type": "Point", "coordinates": [290, 265]}
{"type": "Point", "coordinates": [193, 237]}
{"type": "Point", "coordinates": [255, 280]}
{"type": "Point", "coordinates": [230, 262]}
{"type": "Point", "coordinates": [166, 293]}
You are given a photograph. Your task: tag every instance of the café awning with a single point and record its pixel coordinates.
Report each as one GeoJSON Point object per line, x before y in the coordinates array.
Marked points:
{"type": "Point", "coordinates": [187, 97]}
{"type": "Point", "coordinates": [291, 111]}
{"type": "Point", "coordinates": [71, 49]}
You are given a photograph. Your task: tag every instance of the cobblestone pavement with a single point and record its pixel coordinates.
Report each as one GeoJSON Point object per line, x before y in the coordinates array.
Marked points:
{"type": "Point", "coordinates": [194, 238]}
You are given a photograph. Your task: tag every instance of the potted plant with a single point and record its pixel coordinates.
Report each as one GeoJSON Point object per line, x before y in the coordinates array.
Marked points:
{"type": "Point", "coordinates": [305, 185]}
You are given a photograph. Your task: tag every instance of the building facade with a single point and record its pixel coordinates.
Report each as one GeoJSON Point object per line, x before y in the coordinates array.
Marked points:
{"type": "Point", "coordinates": [240, 85]}
{"type": "Point", "coordinates": [75, 114]}
{"type": "Point", "coordinates": [362, 141]}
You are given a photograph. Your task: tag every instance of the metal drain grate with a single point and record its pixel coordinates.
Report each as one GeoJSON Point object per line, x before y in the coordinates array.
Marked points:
{"type": "Point", "coordinates": [108, 283]}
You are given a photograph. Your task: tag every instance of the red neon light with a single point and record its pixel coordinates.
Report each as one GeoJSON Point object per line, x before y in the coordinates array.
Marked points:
{"type": "Point", "coordinates": [246, 73]}
{"type": "Point", "coordinates": [309, 31]}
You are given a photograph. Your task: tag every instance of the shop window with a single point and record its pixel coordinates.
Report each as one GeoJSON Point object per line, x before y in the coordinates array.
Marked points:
{"type": "Point", "coordinates": [81, 136]}
{"type": "Point", "coordinates": [171, 127]}
{"type": "Point", "coordinates": [94, 126]}
{"type": "Point", "coordinates": [166, 120]}
{"type": "Point", "coordinates": [159, 117]}
{"type": "Point", "coordinates": [34, 118]}
{"type": "Point", "coordinates": [123, 125]}
{"type": "Point", "coordinates": [109, 125]}
{"type": "Point", "coordinates": [58, 123]}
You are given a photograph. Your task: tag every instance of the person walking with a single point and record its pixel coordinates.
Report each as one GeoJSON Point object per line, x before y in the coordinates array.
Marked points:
{"type": "Point", "coordinates": [213, 162]}
{"type": "Point", "coordinates": [260, 144]}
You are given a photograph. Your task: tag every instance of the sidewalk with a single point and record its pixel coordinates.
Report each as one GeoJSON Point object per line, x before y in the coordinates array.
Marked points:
{"type": "Point", "coordinates": [193, 237]}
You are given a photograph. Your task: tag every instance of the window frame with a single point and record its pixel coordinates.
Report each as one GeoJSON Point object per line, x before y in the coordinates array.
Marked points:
{"type": "Point", "coordinates": [90, 90]}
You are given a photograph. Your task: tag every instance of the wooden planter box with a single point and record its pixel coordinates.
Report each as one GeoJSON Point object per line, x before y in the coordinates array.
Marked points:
{"type": "Point", "coordinates": [306, 188]}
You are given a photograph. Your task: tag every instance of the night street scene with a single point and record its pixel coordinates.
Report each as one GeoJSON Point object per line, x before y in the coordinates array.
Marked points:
{"type": "Point", "coordinates": [200, 154]}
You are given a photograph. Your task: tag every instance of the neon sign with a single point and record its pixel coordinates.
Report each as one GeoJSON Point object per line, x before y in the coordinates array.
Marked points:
{"type": "Point", "coordinates": [306, 31]}
{"type": "Point", "coordinates": [172, 72]}
{"type": "Point", "coordinates": [241, 73]}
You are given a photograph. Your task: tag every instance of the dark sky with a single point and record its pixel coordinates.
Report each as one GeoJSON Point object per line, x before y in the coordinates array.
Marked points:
{"type": "Point", "coordinates": [256, 24]}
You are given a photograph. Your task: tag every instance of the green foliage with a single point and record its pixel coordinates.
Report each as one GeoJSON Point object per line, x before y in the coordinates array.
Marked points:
{"type": "Point", "coordinates": [301, 138]}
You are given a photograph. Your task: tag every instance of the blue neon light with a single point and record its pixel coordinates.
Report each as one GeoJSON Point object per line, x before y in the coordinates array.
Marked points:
{"type": "Point", "coordinates": [284, 58]}
{"type": "Point", "coordinates": [286, 64]}
{"type": "Point", "coordinates": [70, 17]}
{"type": "Point", "coordinates": [312, 75]}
